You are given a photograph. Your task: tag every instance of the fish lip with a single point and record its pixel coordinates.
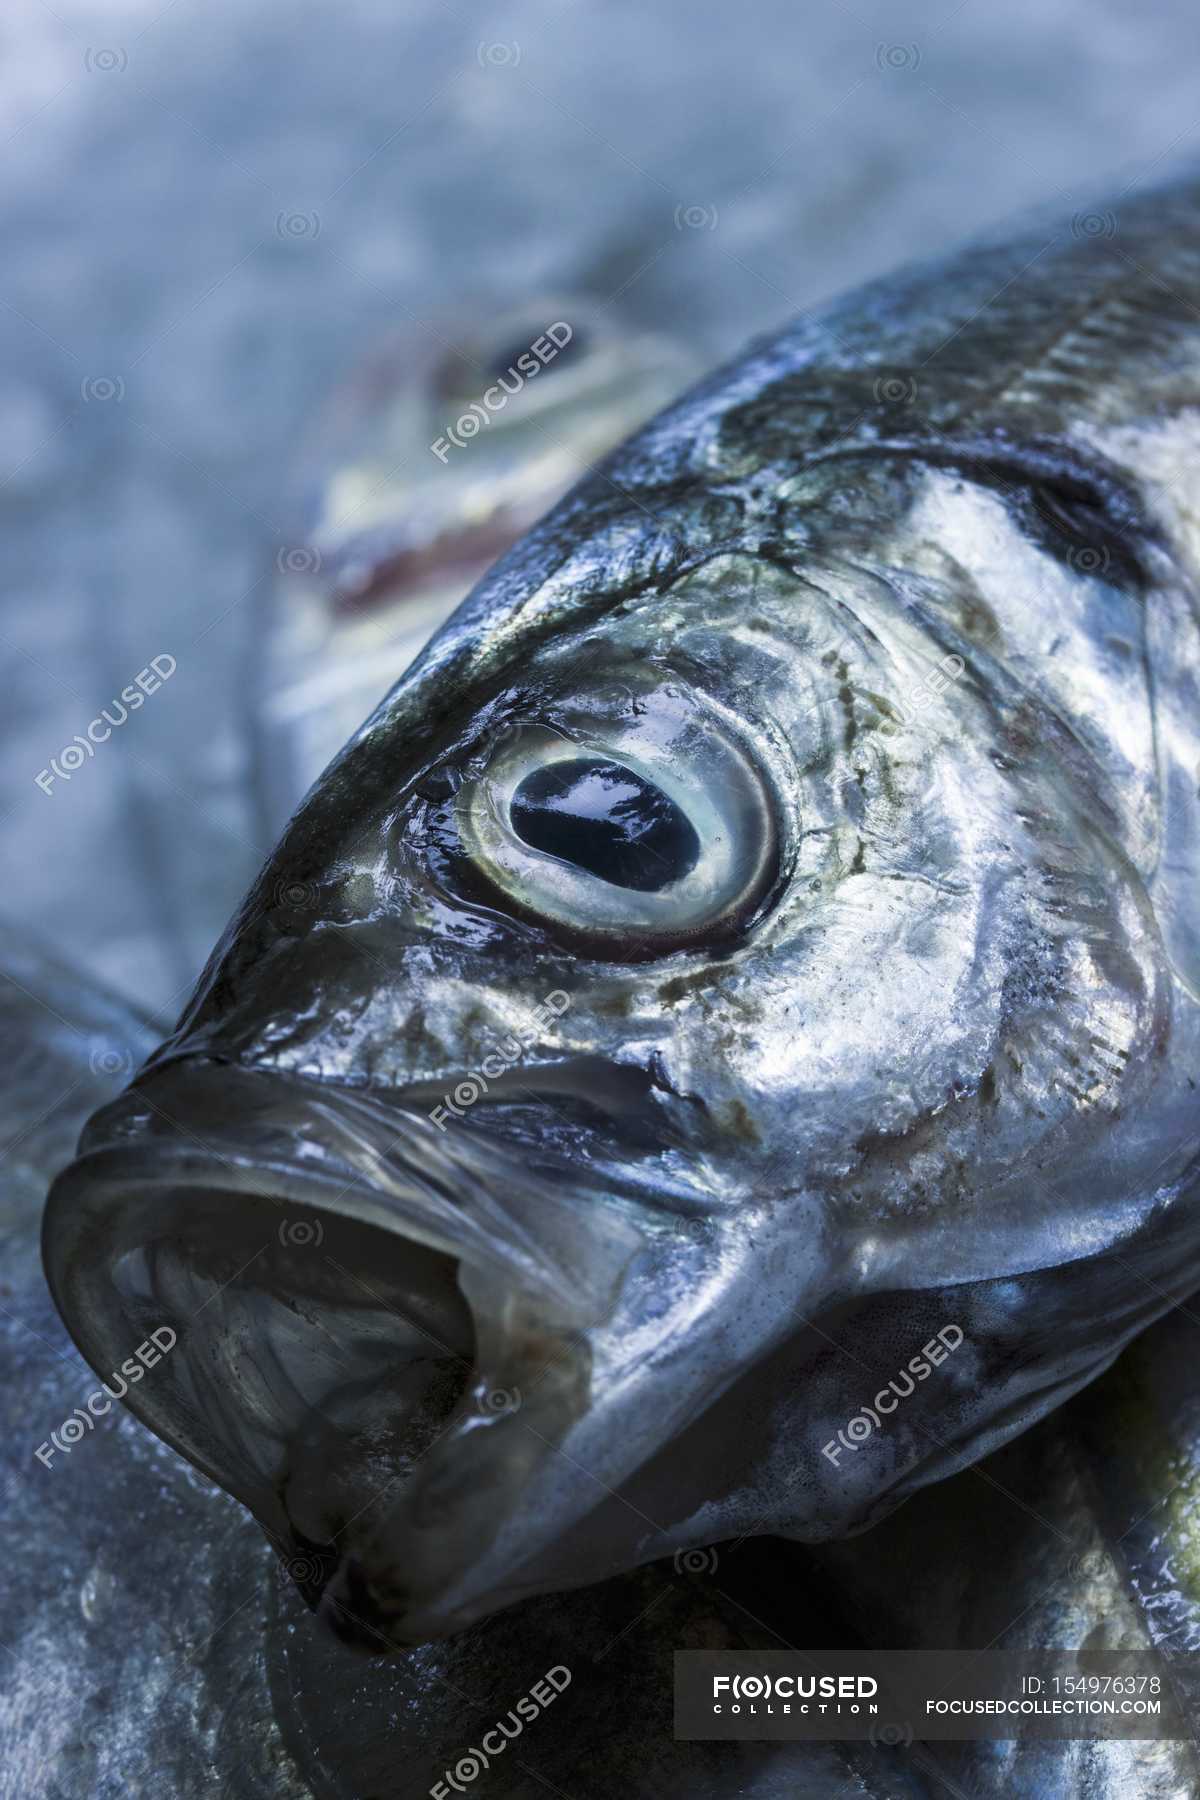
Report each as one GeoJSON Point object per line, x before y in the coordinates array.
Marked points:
{"type": "Point", "coordinates": [139, 1164]}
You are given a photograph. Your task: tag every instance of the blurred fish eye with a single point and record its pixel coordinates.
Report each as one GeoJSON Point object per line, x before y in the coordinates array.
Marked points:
{"type": "Point", "coordinates": [646, 828]}
{"type": "Point", "coordinates": [508, 355]}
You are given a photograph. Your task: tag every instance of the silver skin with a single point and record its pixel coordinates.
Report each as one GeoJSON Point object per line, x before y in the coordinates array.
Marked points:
{"type": "Point", "coordinates": [901, 612]}
{"type": "Point", "coordinates": [152, 1637]}
{"type": "Point", "coordinates": [1080, 1532]}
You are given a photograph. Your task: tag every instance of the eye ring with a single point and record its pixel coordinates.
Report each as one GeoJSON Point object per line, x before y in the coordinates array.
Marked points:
{"type": "Point", "coordinates": [694, 795]}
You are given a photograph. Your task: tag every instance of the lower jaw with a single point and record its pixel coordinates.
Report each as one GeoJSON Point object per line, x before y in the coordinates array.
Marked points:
{"type": "Point", "coordinates": [375, 1348]}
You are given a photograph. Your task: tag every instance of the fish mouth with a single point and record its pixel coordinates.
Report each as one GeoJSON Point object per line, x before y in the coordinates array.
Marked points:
{"type": "Point", "coordinates": [382, 1326]}
{"type": "Point", "coordinates": [391, 570]}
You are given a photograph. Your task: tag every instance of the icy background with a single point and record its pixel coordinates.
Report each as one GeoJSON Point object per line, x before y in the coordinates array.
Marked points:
{"type": "Point", "coordinates": [210, 210]}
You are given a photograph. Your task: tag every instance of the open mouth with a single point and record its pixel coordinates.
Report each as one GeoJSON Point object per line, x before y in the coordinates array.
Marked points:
{"type": "Point", "coordinates": [382, 1325]}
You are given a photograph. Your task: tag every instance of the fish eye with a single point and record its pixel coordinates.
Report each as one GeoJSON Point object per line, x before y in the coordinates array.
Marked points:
{"type": "Point", "coordinates": [504, 358]}
{"type": "Point", "coordinates": [646, 827]}
{"type": "Point", "coordinates": [461, 376]}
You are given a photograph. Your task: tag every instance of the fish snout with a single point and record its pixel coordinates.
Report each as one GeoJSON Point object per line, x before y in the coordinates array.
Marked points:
{"type": "Point", "coordinates": [383, 1328]}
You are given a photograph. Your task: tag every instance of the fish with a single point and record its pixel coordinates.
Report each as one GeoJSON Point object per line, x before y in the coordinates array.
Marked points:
{"type": "Point", "coordinates": [1079, 1534]}
{"type": "Point", "coordinates": [425, 465]}
{"type": "Point", "coordinates": [717, 1049]}
{"type": "Point", "coordinates": [222, 1688]}
{"type": "Point", "coordinates": [128, 1576]}
{"type": "Point", "coordinates": [1076, 1534]}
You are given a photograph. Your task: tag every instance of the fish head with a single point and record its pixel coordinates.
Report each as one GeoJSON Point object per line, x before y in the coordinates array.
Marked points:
{"type": "Point", "coordinates": [435, 454]}
{"type": "Point", "coordinates": [710, 974]}
{"type": "Point", "coordinates": [443, 446]}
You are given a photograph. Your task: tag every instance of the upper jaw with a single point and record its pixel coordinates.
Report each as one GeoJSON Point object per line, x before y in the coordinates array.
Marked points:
{"type": "Point", "coordinates": [382, 1329]}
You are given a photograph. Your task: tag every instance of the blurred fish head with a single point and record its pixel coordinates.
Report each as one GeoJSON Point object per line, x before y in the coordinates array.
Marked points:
{"type": "Point", "coordinates": [437, 452]}
{"type": "Point", "coordinates": [442, 449]}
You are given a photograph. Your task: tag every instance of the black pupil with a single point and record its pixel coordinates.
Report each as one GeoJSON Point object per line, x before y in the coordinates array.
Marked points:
{"type": "Point", "coordinates": [607, 820]}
